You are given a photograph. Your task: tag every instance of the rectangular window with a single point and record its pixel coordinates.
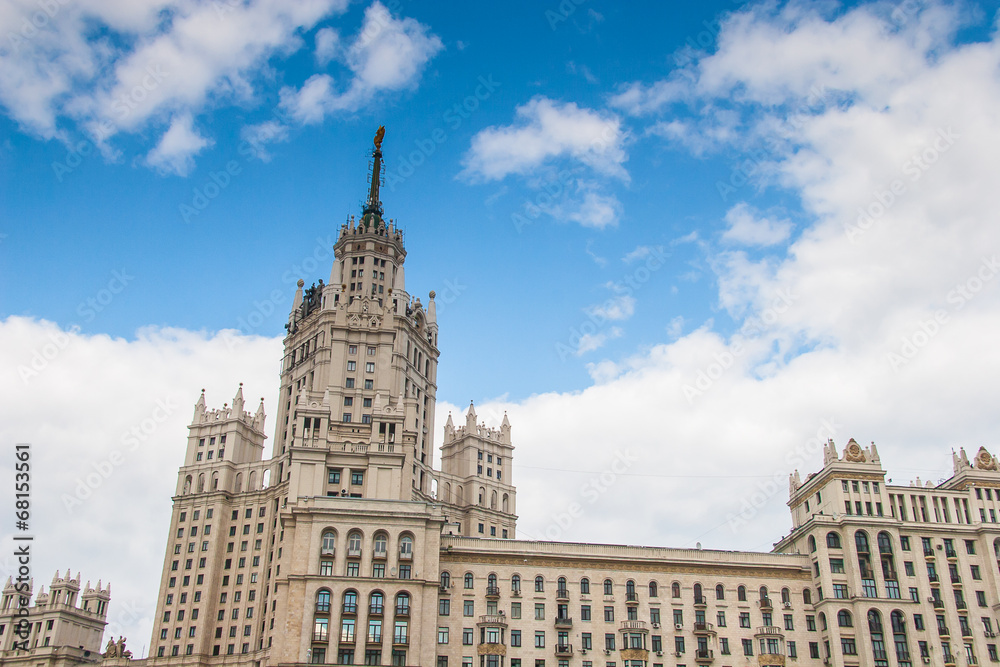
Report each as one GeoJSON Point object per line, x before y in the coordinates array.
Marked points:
{"type": "Point", "coordinates": [444, 607]}
{"type": "Point", "coordinates": [515, 637]}
{"type": "Point", "coordinates": [585, 612]}
{"type": "Point", "coordinates": [539, 611]}
{"type": "Point", "coordinates": [539, 638]}
{"type": "Point", "coordinates": [744, 619]}
{"type": "Point", "coordinates": [468, 608]}
{"type": "Point", "coordinates": [467, 636]}
{"type": "Point", "coordinates": [442, 635]}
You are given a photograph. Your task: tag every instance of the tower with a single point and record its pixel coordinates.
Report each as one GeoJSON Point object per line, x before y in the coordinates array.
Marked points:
{"type": "Point", "coordinates": [476, 484]}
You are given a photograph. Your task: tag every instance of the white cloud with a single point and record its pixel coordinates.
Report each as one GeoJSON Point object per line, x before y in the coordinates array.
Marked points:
{"type": "Point", "coordinates": [388, 54]}
{"type": "Point", "coordinates": [262, 134]}
{"type": "Point", "coordinates": [548, 130]}
{"type": "Point", "coordinates": [327, 45]}
{"type": "Point", "coordinates": [177, 147]}
{"type": "Point", "coordinates": [746, 228]}
{"type": "Point", "coordinates": [593, 341]}
{"type": "Point", "coordinates": [618, 307]}
{"type": "Point", "coordinates": [641, 252]}
{"type": "Point", "coordinates": [166, 59]}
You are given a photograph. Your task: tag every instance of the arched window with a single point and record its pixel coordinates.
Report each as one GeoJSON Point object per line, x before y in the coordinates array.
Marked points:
{"type": "Point", "coordinates": [720, 592]}
{"type": "Point", "coordinates": [329, 543]}
{"type": "Point", "coordinates": [239, 482]}
{"type": "Point", "coordinates": [201, 483]}
{"type": "Point", "coordinates": [786, 596]}
{"type": "Point", "coordinates": [698, 599]}
{"type": "Point", "coordinates": [406, 547]}
{"type": "Point", "coordinates": [252, 480]}
{"type": "Point", "coordinates": [381, 545]}
{"type": "Point", "coordinates": [585, 586]}
{"type": "Point", "coordinates": [187, 485]}
{"type": "Point", "coordinates": [493, 500]}
{"type": "Point", "coordinates": [561, 584]}
{"type": "Point", "coordinates": [491, 581]}
{"type": "Point", "coordinates": [898, 623]}
{"type": "Point", "coordinates": [323, 601]}
{"type": "Point", "coordinates": [354, 544]}
{"type": "Point", "coordinates": [609, 588]}
{"type": "Point", "coordinates": [861, 541]}
{"type": "Point", "coordinates": [515, 583]}
{"type": "Point", "coordinates": [812, 544]}
{"type": "Point", "coordinates": [822, 621]}
{"type": "Point", "coordinates": [468, 580]}
{"type": "Point", "coordinates": [675, 590]}
{"type": "Point", "coordinates": [844, 619]}
{"type": "Point", "coordinates": [807, 596]}
{"type": "Point", "coordinates": [652, 589]}
{"type": "Point", "coordinates": [763, 593]}
{"type": "Point", "coordinates": [215, 481]}
{"type": "Point", "coordinates": [375, 602]}
{"type": "Point", "coordinates": [539, 584]}
{"type": "Point", "coordinates": [350, 602]}
{"type": "Point", "coordinates": [445, 580]}
{"type": "Point", "coordinates": [741, 593]}
{"type": "Point", "coordinates": [878, 638]}
{"type": "Point", "coordinates": [884, 543]}
{"type": "Point", "coordinates": [865, 564]}
{"type": "Point", "coordinates": [482, 496]}
{"type": "Point", "coordinates": [833, 540]}
{"type": "Point", "coordinates": [402, 604]}
{"type": "Point", "coordinates": [506, 503]}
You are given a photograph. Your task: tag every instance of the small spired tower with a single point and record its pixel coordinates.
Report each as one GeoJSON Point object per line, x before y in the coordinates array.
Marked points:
{"type": "Point", "coordinates": [60, 631]}
{"type": "Point", "coordinates": [475, 481]}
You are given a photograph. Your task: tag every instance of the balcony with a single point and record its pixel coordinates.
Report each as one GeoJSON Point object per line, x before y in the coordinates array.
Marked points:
{"type": "Point", "coordinates": [379, 554]}
{"type": "Point", "coordinates": [400, 640]}
{"type": "Point", "coordinates": [943, 631]}
{"type": "Point", "coordinates": [949, 658]}
{"type": "Point", "coordinates": [704, 655]}
{"type": "Point", "coordinates": [564, 622]}
{"type": "Point", "coordinates": [564, 650]}
{"type": "Point", "coordinates": [960, 604]}
{"type": "Point", "coordinates": [938, 603]}
{"type": "Point", "coordinates": [950, 554]}
{"type": "Point", "coordinates": [492, 592]}
{"type": "Point", "coordinates": [769, 631]}
{"type": "Point", "coordinates": [374, 640]}
{"type": "Point", "coordinates": [956, 579]}
{"type": "Point", "coordinates": [402, 610]}
{"type": "Point", "coordinates": [375, 610]}
{"type": "Point", "coordinates": [704, 629]}
{"type": "Point", "coordinates": [631, 598]}
{"type": "Point", "coordinates": [350, 608]}
{"type": "Point", "coordinates": [966, 631]}
{"type": "Point", "coordinates": [933, 578]}
{"type": "Point", "coordinates": [929, 552]}
{"type": "Point", "coordinates": [562, 595]}
{"type": "Point", "coordinates": [321, 636]}
{"type": "Point", "coordinates": [700, 601]}
{"type": "Point", "coordinates": [765, 603]}
{"type": "Point", "coordinates": [405, 555]}
{"type": "Point", "coordinates": [771, 659]}
{"type": "Point", "coordinates": [493, 619]}
{"type": "Point", "coordinates": [633, 626]}
{"type": "Point", "coordinates": [322, 607]}
{"type": "Point", "coordinates": [354, 552]}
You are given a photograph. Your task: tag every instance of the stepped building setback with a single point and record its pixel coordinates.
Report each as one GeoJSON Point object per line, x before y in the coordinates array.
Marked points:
{"type": "Point", "coordinates": [346, 546]}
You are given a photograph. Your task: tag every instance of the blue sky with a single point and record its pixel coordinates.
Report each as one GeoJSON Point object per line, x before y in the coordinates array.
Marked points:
{"type": "Point", "coordinates": [71, 225]}
{"type": "Point", "coordinates": [699, 237]}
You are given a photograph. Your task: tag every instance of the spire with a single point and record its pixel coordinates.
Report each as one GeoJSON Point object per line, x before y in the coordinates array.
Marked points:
{"type": "Point", "coordinates": [431, 309]}
{"type": "Point", "coordinates": [372, 211]}
{"type": "Point", "coordinates": [199, 408]}
{"type": "Point", "coordinates": [238, 401]}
